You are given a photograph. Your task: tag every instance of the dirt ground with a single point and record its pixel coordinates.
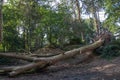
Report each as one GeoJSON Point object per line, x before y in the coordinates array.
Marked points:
{"type": "Point", "coordinates": [98, 69]}
{"type": "Point", "coordinates": [95, 69]}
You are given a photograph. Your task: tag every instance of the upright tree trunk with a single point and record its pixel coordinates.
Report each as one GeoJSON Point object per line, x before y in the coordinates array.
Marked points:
{"type": "Point", "coordinates": [96, 18]}
{"type": "Point", "coordinates": [95, 22]}
{"type": "Point", "coordinates": [73, 5]}
{"type": "Point", "coordinates": [49, 35]}
{"type": "Point", "coordinates": [1, 20]}
{"type": "Point", "coordinates": [79, 18]}
{"type": "Point", "coordinates": [79, 10]}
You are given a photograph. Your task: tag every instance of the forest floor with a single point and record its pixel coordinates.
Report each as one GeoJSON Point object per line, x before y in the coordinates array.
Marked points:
{"type": "Point", "coordinates": [96, 69]}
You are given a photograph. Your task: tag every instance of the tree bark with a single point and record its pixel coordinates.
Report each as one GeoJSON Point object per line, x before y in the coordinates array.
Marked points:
{"type": "Point", "coordinates": [27, 58]}
{"type": "Point", "coordinates": [1, 20]}
{"type": "Point", "coordinates": [79, 10]}
{"type": "Point", "coordinates": [96, 18]}
{"type": "Point", "coordinates": [25, 68]}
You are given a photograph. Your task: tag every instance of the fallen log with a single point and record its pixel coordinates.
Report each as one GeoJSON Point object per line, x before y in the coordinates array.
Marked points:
{"type": "Point", "coordinates": [7, 69]}
{"type": "Point", "coordinates": [43, 62]}
{"type": "Point", "coordinates": [15, 56]}
{"type": "Point", "coordinates": [71, 53]}
{"type": "Point", "coordinates": [24, 68]}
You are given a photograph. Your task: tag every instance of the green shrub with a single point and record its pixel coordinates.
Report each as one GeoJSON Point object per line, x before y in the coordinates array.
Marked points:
{"type": "Point", "coordinates": [109, 50]}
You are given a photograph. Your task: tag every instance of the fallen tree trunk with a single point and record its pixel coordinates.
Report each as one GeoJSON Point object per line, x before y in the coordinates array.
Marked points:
{"type": "Point", "coordinates": [24, 68]}
{"type": "Point", "coordinates": [43, 62]}
{"type": "Point", "coordinates": [15, 56]}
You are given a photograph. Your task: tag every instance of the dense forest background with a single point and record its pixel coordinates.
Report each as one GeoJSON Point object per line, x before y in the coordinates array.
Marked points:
{"type": "Point", "coordinates": [27, 25]}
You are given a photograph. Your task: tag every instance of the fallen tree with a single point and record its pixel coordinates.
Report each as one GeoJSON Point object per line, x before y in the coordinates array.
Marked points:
{"type": "Point", "coordinates": [43, 62]}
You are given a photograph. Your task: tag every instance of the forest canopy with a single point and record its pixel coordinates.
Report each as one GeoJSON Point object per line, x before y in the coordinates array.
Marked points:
{"type": "Point", "coordinates": [27, 25]}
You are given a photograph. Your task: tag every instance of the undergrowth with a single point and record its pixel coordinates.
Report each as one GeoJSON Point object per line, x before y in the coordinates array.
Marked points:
{"type": "Point", "coordinates": [110, 50]}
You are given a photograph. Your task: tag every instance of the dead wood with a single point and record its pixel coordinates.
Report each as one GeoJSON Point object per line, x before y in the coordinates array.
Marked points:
{"type": "Point", "coordinates": [15, 56]}
{"type": "Point", "coordinates": [43, 62]}
{"type": "Point", "coordinates": [25, 68]}
{"type": "Point", "coordinates": [43, 55]}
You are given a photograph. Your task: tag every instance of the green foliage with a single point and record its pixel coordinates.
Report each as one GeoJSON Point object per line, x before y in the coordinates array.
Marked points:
{"type": "Point", "coordinates": [110, 50]}
{"type": "Point", "coordinates": [112, 8]}
{"type": "Point", "coordinates": [31, 24]}
{"type": "Point", "coordinates": [11, 41]}
{"type": "Point", "coordinates": [75, 41]}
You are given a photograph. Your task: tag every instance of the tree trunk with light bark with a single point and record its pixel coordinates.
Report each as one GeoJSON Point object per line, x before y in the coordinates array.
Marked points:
{"type": "Point", "coordinates": [43, 62]}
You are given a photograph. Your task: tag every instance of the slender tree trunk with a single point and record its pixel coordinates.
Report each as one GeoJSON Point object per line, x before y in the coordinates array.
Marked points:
{"type": "Point", "coordinates": [96, 21]}
{"type": "Point", "coordinates": [96, 18]}
{"type": "Point", "coordinates": [49, 35]}
{"type": "Point", "coordinates": [74, 10]}
{"type": "Point", "coordinates": [79, 18]}
{"type": "Point", "coordinates": [82, 36]}
{"type": "Point", "coordinates": [79, 10]}
{"type": "Point", "coordinates": [1, 20]}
